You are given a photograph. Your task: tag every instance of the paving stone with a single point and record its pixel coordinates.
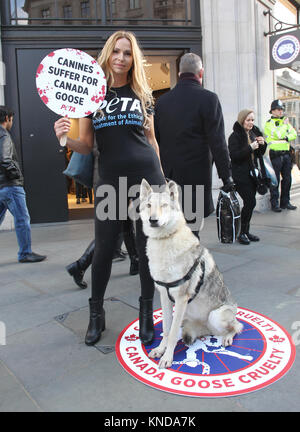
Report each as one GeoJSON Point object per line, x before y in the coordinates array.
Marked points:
{"type": "Point", "coordinates": [13, 396]}
{"type": "Point", "coordinates": [46, 366]}
{"type": "Point", "coordinates": [45, 354]}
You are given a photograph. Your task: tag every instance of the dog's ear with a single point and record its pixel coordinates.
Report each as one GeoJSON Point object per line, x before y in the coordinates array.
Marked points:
{"type": "Point", "coordinates": [173, 190]}
{"type": "Point", "coordinates": [145, 190]}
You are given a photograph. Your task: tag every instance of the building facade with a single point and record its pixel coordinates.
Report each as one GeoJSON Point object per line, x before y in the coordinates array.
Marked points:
{"type": "Point", "coordinates": [230, 38]}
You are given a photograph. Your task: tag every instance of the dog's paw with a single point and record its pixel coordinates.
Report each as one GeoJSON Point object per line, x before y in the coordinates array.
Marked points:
{"type": "Point", "coordinates": [239, 328]}
{"type": "Point", "coordinates": [156, 353]}
{"type": "Point", "coordinates": [188, 339]}
{"type": "Point", "coordinates": [165, 362]}
{"type": "Point", "coordinates": [227, 340]}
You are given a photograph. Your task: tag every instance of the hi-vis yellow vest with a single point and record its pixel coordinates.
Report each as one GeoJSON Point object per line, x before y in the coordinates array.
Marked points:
{"type": "Point", "coordinates": [276, 135]}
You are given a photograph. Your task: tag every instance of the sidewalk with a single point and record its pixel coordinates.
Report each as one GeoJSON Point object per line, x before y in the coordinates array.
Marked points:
{"type": "Point", "coordinates": [45, 365]}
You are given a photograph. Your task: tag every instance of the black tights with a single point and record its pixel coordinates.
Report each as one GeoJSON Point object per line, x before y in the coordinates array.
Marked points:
{"type": "Point", "coordinates": [247, 191]}
{"type": "Point", "coordinates": [106, 238]}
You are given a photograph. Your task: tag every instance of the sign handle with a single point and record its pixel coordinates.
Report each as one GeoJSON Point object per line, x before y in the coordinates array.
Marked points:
{"type": "Point", "coordinates": [63, 140]}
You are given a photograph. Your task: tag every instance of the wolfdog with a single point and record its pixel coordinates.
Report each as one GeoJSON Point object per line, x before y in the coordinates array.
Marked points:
{"type": "Point", "coordinates": [184, 273]}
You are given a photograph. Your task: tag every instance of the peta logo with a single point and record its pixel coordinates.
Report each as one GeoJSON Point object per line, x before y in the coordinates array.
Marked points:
{"type": "Point", "coordinates": [286, 49]}
{"type": "Point", "coordinates": [125, 104]}
{"type": "Point", "coordinates": [2, 333]}
{"type": "Point", "coordinates": [261, 354]}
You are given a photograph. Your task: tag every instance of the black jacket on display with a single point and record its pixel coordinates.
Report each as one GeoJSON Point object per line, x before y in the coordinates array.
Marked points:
{"type": "Point", "coordinates": [189, 128]}
{"type": "Point", "coordinates": [10, 172]}
{"type": "Point", "coordinates": [241, 152]}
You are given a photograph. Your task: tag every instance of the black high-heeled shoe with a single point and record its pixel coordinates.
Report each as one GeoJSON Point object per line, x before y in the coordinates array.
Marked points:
{"type": "Point", "coordinates": [129, 240]}
{"type": "Point", "coordinates": [146, 325]}
{"type": "Point", "coordinates": [78, 268]}
{"type": "Point", "coordinates": [134, 265]}
{"type": "Point", "coordinates": [253, 237]}
{"type": "Point", "coordinates": [74, 270]}
{"type": "Point", "coordinates": [243, 239]}
{"type": "Point", "coordinates": [97, 322]}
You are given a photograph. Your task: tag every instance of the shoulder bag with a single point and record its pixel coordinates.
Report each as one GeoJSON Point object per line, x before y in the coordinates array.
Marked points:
{"type": "Point", "coordinates": [81, 168]}
{"type": "Point", "coordinates": [260, 177]}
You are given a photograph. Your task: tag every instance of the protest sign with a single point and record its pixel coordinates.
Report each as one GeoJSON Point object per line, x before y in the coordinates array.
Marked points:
{"type": "Point", "coordinates": [71, 83]}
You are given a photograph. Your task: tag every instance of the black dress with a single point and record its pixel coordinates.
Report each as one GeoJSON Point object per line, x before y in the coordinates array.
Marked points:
{"type": "Point", "coordinates": [125, 158]}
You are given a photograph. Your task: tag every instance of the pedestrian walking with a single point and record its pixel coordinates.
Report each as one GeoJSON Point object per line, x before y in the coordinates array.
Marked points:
{"type": "Point", "coordinates": [12, 194]}
{"type": "Point", "coordinates": [78, 268]}
{"type": "Point", "coordinates": [189, 129]}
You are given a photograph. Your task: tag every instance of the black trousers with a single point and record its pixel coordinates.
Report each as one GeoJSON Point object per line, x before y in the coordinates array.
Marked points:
{"type": "Point", "coordinates": [247, 191]}
{"type": "Point", "coordinates": [107, 235]}
{"type": "Point", "coordinates": [282, 165]}
{"type": "Point", "coordinates": [106, 238]}
{"type": "Point", "coordinates": [80, 190]}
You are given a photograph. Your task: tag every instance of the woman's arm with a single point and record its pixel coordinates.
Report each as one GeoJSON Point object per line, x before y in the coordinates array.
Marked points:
{"type": "Point", "coordinates": [262, 145]}
{"type": "Point", "coordinates": [260, 139]}
{"type": "Point", "coordinates": [150, 135]}
{"type": "Point", "coordinates": [239, 151]}
{"type": "Point", "coordinates": [84, 144]}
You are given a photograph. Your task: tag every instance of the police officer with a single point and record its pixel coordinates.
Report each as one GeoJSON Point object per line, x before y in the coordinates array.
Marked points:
{"type": "Point", "coordinates": [279, 133]}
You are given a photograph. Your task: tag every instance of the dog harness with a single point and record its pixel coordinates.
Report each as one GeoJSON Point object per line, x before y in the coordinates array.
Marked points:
{"type": "Point", "coordinates": [187, 277]}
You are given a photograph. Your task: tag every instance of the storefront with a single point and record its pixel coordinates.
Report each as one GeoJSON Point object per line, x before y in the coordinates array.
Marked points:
{"type": "Point", "coordinates": [288, 79]}
{"type": "Point", "coordinates": [232, 37]}
{"type": "Point", "coordinates": [31, 29]}
{"type": "Point", "coordinates": [286, 64]}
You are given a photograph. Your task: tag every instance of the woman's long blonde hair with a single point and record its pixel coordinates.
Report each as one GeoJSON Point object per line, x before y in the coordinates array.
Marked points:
{"type": "Point", "coordinates": [136, 76]}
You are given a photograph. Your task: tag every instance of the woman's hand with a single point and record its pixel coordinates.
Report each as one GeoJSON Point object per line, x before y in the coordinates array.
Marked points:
{"type": "Point", "coordinates": [260, 140]}
{"type": "Point", "coordinates": [62, 126]}
{"type": "Point", "coordinates": [254, 145]}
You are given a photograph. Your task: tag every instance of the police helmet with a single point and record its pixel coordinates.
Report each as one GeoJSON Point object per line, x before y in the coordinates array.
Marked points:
{"type": "Point", "coordinates": [277, 104]}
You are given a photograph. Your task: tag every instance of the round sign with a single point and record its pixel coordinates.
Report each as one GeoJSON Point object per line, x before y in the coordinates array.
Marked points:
{"type": "Point", "coordinates": [71, 83]}
{"type": "Point", "coordinates": [286, 49]}
{"type": "Point", "coordinates": [261, 354]}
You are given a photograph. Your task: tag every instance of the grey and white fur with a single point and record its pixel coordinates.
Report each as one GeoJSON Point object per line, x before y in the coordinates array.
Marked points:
{"type": "Point", "coordinates": [172, 250]}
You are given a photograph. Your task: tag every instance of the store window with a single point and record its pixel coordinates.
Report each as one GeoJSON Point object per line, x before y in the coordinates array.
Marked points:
{"type": "Point", "coordinates": [45, 13]}
{"type": "Point", "coordinates": [85, 9]}
{"type": "Point", "coordinates": [134, 4]}
{"type": "Point", "coordinates": [116, 12]}
{"type": "Point", "coordinates": [19, 15]}
{"type": "Point", "coordinates": [288, 90]}
{"type": "Point", "coordinates": [79, 197]}
{"type": "Point", "coordinates": [67, 10]}
{"type": "Point", "coordinates": [288, 79]}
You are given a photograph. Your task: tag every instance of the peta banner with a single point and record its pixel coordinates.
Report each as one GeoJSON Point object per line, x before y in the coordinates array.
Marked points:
{"type": "Point", "coordinates": [284, 49]}
{"type": "Point", "coordinates": [71, 83]}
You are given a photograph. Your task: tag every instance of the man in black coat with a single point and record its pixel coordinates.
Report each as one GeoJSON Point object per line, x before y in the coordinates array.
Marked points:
{"type": "Point", "coordinates": [189, 128]}
{"type": "Point", "coordinates": [12, 194]}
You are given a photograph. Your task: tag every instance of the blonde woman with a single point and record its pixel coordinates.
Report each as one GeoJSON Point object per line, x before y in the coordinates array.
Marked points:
{"type": "Point", "coordinates": [126, 141]}
{"type": "Point", "coordinates": [245, 144]}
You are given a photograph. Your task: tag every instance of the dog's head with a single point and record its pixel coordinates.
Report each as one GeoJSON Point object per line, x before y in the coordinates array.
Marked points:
{"type": "Point", "coordinates": [160, 211]}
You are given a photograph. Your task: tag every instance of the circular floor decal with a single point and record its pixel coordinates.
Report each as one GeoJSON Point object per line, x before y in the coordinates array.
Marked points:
{"type": "Point", "coordinates": [259, 356]}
